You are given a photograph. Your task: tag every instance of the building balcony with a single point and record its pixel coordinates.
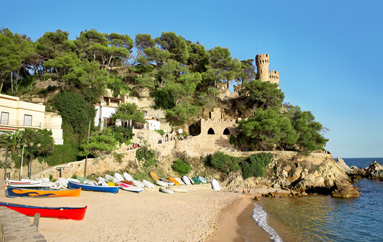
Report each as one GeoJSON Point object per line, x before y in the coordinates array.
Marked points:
{"type": "Point", "coordinates": [20, 124]}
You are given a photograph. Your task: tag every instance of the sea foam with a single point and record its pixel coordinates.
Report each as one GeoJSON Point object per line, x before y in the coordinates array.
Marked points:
{"type": "Point", "coordinates": [260, 217]}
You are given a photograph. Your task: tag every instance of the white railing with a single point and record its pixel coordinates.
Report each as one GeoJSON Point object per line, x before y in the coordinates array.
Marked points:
{"type": "Point", "coordinates": [21, 124]}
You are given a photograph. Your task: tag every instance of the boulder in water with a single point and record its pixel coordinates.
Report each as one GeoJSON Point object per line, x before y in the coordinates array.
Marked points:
{"type": "Point", "coordinates": [374, 171]}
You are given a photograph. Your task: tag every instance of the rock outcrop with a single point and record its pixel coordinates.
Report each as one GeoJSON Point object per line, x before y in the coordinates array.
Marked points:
{"type": "Point", "coordinates": [317, 173]}
{"type": "Point", "coordinates": [374, 171]}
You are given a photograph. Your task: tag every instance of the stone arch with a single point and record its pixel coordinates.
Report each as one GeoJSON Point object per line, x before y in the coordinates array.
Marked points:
{"type": "Point", "coordinates": [226, 131]}
{"type": "Point", "coordinates": [211, 131]}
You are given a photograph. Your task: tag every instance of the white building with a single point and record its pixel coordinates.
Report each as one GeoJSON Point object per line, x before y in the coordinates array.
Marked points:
{"type": "Point", "coordinates": [16, 114]}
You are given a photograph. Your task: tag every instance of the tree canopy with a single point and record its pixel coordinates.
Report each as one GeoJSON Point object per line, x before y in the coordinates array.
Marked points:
{"type": "Point", "coordinates": [183, 77]}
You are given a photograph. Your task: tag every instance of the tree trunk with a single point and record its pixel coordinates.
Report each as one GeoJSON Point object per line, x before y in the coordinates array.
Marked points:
{"type": "Point", "coordinates": [12, 81]}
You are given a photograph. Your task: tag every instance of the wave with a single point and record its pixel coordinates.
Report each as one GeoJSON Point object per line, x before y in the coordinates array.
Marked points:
{"type": "Point", "coordinates": [260, 217]}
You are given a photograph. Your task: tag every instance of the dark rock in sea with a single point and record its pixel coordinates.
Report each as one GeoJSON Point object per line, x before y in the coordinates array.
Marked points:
{"type": "Point", "coordinates": [374, 171]}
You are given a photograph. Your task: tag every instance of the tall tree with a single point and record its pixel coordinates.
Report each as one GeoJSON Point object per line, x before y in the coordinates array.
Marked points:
{"type": "Point", "coordinates": [14, 50]}
{"type": "Point", "coordinates": [92, 44]}
{"type": "Point", "coordinates": [62, 68]}
{"type": "Point", "coordinates": [118, 53]}
{"type": "Point", "coordinates": [310, 131]}
{"type": "Point", "coordinates": [176, 45]}
{"type": "Point", "coordinates": [262, 94]}
{"type": "Point", "coordinates": [267, 130]}
{"type": "Point", "coordinates": [247, 71]}
{"type": "Point", "coordinates": [198, 57]}
{"type": "Point", "coordinates": [128, 111]}
{"type": "Point", "coordinates": [222, 67]}
{"type": "Point", "coordinates": [142, 42]}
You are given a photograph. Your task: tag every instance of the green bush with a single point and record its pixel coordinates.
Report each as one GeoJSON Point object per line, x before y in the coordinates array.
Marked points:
{"type": "Point", "coordinates": [222, 162]}
{"type": "Point", "coordinates": [75, 110]}
{"type": "Point", "coordinates": [62, 154]}
{"type": "Point", "coordinates": [118, 156]}
{"type": "Point", "coordinates": [122, 134]}
{"type": "Point", "coordinates": [147, 155]}
{"type": "Point", "coordinates": [163, 99]}
{"type": "Point", "coordinates": [160, 131]}
{"type": "Point", "coordinates": [255, 164]}
{"type": "Point", "coordinates": [181, 167]}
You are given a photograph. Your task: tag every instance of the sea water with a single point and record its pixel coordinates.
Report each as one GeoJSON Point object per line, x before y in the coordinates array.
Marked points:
{"type": "Point", "coordinates": [323, 218]}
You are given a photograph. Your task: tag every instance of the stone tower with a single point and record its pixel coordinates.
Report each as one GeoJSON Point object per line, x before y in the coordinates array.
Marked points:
{"type": "Point", "coordinates": [262, 62]}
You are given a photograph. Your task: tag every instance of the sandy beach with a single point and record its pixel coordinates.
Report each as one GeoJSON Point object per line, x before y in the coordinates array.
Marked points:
{"type": "Point", "coordinates": [146, 216]}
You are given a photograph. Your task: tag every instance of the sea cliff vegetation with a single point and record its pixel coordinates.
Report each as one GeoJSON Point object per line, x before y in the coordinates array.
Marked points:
{"type": "Point", "coordinates": [184, 79]}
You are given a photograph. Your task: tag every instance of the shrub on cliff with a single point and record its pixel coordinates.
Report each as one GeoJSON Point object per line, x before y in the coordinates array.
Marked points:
{"type": "Point", "coordinates": [181, 167]}
{"type": "Point", "coordinates": [255, 164]}
{"type": "Point", "coordinates": [74, 110]}
{"type": "Point", "coordinates": [222, 162]}
{"type": "Point", "coordinates": [147, 155]}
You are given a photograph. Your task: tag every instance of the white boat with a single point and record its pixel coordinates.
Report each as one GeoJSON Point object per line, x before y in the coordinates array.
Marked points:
{"type": "Point", "coordinates": [102, 181]}
{"type": "Point", "coordinates": [164, 190]}
{"type": "Point", "coordinates": [138, 183]}
{"type": "Point", "coordinates": [73, 180]}
{"type": "Point", "coordinates": [129, 188]}
{"type": "Point", "coordinates": [148, 184]}
{"type": "Point", "coordinates": [186, 180]}
{"type": "Point", "coordinates": [127, 176]}
{"type": "Point", "coordinates": [110, 178]}
{"type": "Point", "coordinates": [28, 184]}
{"type": "Point", "coordinates": [118, 177]}
{"type": "Point", "coordinates": [191, 180]}
{"type": "Point", "coordinates": [61, 183]}
{"type": "Point", "coordinates": [161, 183]}
{"type": "Point", "coordinates": [169, 182]}
{"type": "Point", "coordinates": [215, 185]}
{"type": "Point", "coordinates": [180, 181]}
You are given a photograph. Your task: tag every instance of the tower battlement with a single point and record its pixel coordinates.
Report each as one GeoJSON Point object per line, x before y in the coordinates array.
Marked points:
{"type": "Point", "coordinates": [274, 77]}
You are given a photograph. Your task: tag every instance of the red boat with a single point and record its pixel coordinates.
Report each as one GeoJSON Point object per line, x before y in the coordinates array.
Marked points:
{"type": "Point", "coordinates": [75, 213]}
{"type": "Point", "coordinates": [127, 182]}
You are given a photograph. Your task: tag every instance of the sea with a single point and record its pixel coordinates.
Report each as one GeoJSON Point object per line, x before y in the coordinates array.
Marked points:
{"type": "Point", "coordinates": [323, 218]}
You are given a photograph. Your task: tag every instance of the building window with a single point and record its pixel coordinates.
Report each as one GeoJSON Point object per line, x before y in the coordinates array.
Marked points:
{"type": "Point", "coordinates": [226, 132]}
{"type": "Point", "coordinates": [27, 120]}
{"type": "Point", "coordinates": [4, 118]}
{"type": "Point", "coordinates": [210, 131]}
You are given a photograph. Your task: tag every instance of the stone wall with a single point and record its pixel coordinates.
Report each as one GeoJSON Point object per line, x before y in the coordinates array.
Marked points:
{"type": "Point", "coordinates": [95, 166]}
{"type": "Point", "coordinates": [14, 172]}
{"type": "Point", "coordinates": [15, 226]}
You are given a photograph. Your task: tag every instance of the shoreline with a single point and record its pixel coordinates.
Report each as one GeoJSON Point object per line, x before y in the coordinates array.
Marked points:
{"type": "Point", "coordinates": [235, 221]}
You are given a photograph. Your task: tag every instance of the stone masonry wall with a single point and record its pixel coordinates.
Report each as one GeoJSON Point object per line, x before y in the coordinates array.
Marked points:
{"type": "Point", "coordinates": [17, 227]}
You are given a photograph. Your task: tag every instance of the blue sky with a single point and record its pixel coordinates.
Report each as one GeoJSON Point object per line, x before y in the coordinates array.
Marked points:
{"type": "Point", "coordinates": [328, 53]}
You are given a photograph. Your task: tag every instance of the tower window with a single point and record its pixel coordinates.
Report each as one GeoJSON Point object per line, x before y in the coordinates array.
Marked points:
{"type": "Point", "coordinates": [226, 132]}
{"type": "Point", "coordinates": [210, 131]}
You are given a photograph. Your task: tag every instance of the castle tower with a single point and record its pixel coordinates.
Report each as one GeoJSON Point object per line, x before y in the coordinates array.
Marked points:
{"type": "Point", "coordinates": [262, 62]}
{"type": "Point", "coordinates": [274, 77]}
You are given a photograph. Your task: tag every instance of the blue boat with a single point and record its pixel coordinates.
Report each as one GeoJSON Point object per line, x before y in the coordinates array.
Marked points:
{"type": "Point", "coordinates": [202, 180]}
{"type": "Point", "coordinates": [94, 188]}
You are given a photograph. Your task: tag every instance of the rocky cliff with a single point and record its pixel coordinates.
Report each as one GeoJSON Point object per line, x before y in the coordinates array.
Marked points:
{"type": "Point", "coordinates": [317, 173]}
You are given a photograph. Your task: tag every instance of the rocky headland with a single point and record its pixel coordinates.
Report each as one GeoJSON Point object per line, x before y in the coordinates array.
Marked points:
{"type": "Point", "coordinates": [373, 171]}
{"type": "Point", "coordinates": [300, 175]}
